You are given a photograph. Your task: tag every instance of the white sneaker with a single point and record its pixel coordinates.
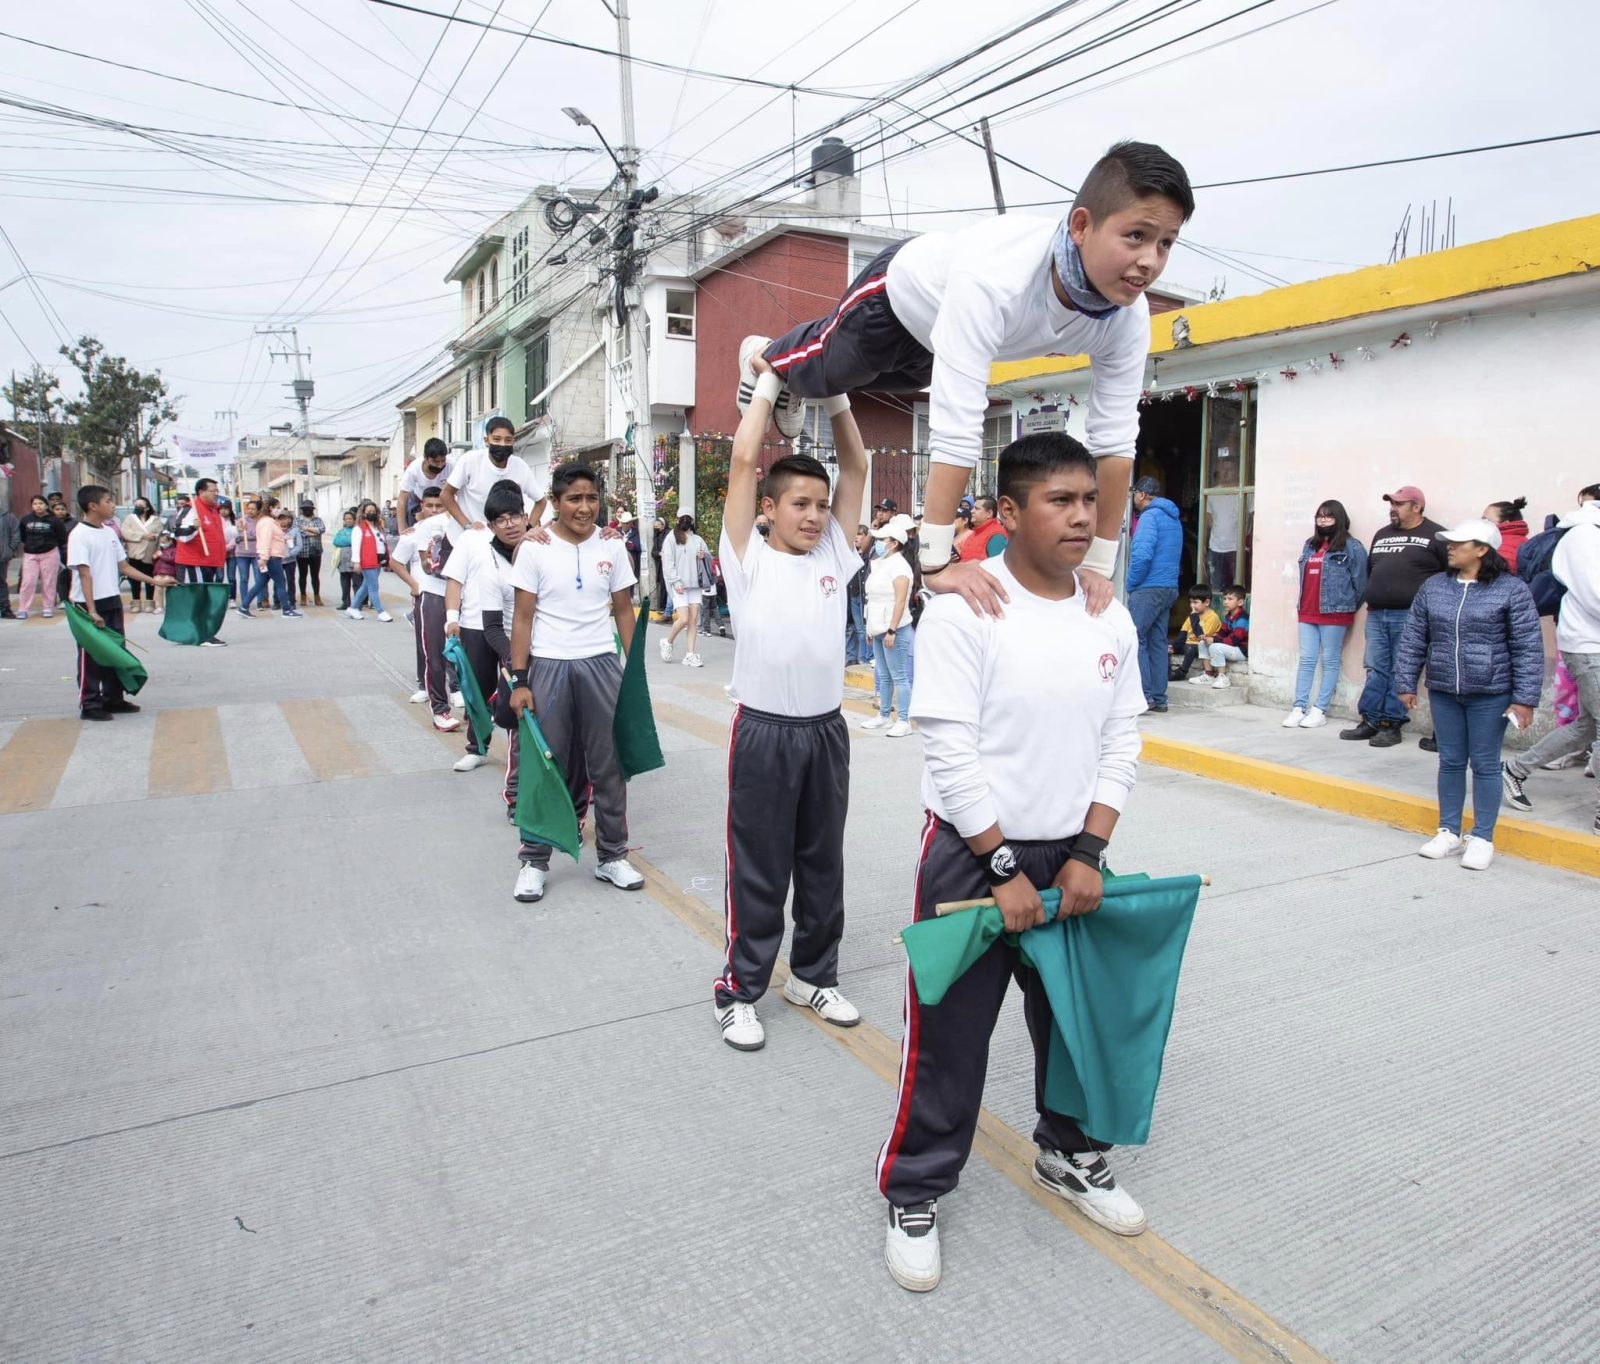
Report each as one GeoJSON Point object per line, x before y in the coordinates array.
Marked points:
{"type": "Point", "coordinates": [912, 1248]}
{"type": "Point", "coordinates": [876, 722]}
{"type": "Point", "coordinates": [825, 1000]}
{"type": "Point", "coordinates": [470, 762]}
{"type": "Point", "coordinates": [1200, 680]}
{"type": "Point", "coordinates": [741, 1029]}
{"type": "Point", "coordinates": [1315, 719]}
{"type": "Point", "coordinates": [1442, 844]}
{"type": "Point", "coordinates": [446, 724]}
{"type": "Point", "coordinates": [1221, 681]}
{"type": "Point", "coordinates": [899, 729]}
{"type": "Point", "coordinates": [749, 348]}
{"type": "Point", "coordinates": [354, 614]}
{"type": "Point", "coordinates": [530, 884]}
{"type": "Point", "coordinates": [1294, 719]}
{"type": "Point", "coordinates": [621, 873]}
{"type": "Point", "coordinates": [418, 697]}
{"type": "Point", "coordinates": [458, 700]}
{"type": "Point", "coordinates": [1476, 853]}
{"type": "Point", "coordinates": [666, 650]}
{"type": "Point", "coordinates": [693, 661]}
{"type": "Point", "coordinates": [1085, 1180]}
{"type": "Point", "coordinates": [384, 615]}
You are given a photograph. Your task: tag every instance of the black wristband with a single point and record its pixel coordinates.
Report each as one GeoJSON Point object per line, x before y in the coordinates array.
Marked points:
{"type": "Point", "coordinates": [1089, 859]}
{"type": "Point", "coordinates": [519, 677]}
{"type": "Point", "coordinates": [1000, 865]}
{"type": "Point", "coordinates": [1090, 849]}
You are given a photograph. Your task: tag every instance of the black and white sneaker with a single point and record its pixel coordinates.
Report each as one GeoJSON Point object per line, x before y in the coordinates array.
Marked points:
{"type": "Point", "coordinates": [789, 412]}
{"type": "Point", "coordinates": [912, 1248]}
{"type": "Point", "coordinates": [1085, 1180]}
{"type": "Point", "coordinates": [1516, 797]}
{"type": "Point", "coordinates": [741, 1028]}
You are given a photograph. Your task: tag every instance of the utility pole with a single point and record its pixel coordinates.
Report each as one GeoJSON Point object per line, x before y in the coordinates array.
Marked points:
{"type": "Point", "coordinates": [232, 417]}
{"type": "Point", "coordinates": [302, 388]}
{"type": "Point", "coordinates": [994, 168]}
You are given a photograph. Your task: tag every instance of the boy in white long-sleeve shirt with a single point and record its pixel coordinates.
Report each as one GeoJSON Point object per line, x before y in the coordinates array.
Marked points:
{"type": "Point", "coordinates": [935, 312]}
{"type": "Point", "coordinates": [1031, 746]}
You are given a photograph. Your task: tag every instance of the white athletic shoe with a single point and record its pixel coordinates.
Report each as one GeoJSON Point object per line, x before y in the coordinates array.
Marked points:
{"type": "Point", "coordinates": [354, 614]}
{"type": "Point", "coordinates": [912, 1248]}
{"type": "Point", "coordinates": [1315, 719]}
{"type": "Point", "coordinates": [384, 615]}
{"type": "Point", "coordinates": [1221, 681]}
{"type": "Point", "coordinates": [458, 700]}
{"type": "Point", "coordinates": [876, 722]}
{"type": "Point", "coordinates": [825, 1000]}
{"type": "Point", "coordinates": [899, 729]}
{"type": "Point", "coordinates": [530, 884]}
{"type": "Point", "coordinates": [789, 412]}
{"type": "Point", "coordinates": [693, 661]}
{"type": "Point", "coordinates": [1294, 719]}
{"type": "Point", "coordinates": [1201, 680]}
{"type": "Point", "coordinates": [446, 724]}
{"type": "Point", "coordinates": [621, 873]}
{"type": "Point", "coordinates": [1476, 853]}
{"type": "Point", "coordinates": [469, 762]}
{"type": "Point", "coordinates": [1442, 844]}
{"type": "Point", "coordinates": [1085, 1180]}
{"type": "Point", "coordinates": [741, 1029]}
{"type": "Point", "coordinates": [418, 697]}
{"type": "Point", "coordinates": [666, 650]}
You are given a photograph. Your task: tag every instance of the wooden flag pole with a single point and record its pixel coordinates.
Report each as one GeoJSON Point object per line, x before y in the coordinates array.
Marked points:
{"type": "Point", "coordinates": [959, 906]}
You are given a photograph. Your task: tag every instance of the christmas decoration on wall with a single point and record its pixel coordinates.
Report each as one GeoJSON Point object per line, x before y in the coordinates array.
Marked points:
{"type": "Point", "coordinates": [1404, 339]}
{"type": "Point", "coordinates": [1314, 365]}
{"type": "Point", "coordinates": [1290, 373]}
{"type": "Point", "coordinates": [1336, 360]}
{"type": "Point", "coordinates": [1366, 352]}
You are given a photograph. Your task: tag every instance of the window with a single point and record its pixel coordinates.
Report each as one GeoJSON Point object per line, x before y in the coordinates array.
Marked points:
{"type": "Point", "coordinates": [466, 404]}
{"type": "Point", "coordinates": [816, 437]}
{"type": "Point", "coordinates": [860, 258]}
{"type": "Point", "coordinates": [447, 418]}
{"type": "Point", "coordinates": [481, 407]}
{"type": "Point", "coordinates": [997, 429]}
{"type": "Point", "coordinates": [680, 313]}
{"type": "Point", "coordinates": [538, 374]}
{"type": "Point", "coordinates": [1228, 501]}
{"type": "Point", "coordinates": [482, 296]}
{"type": "Point", "coordinates": [519, 267]}
{"type": "Point", "coordinates": [494, 384]}
{"type": "Point", "coordinates": [494, 281]}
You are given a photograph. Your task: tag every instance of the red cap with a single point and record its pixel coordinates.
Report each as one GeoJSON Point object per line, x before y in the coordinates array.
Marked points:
{"type": "Point", "coordinates": [1407, 494]}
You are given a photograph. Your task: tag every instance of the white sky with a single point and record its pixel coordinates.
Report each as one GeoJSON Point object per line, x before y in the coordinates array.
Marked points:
{"type": "Point", "coordinates": [188, 276]}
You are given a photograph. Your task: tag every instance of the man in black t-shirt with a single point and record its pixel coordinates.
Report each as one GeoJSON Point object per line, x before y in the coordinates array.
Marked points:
{"type": "Point", "coordinates": [1404, 555]}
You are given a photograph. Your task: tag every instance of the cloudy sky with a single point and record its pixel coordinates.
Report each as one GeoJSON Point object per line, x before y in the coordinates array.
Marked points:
{"type": "Point", "coordinates": [170, 219]}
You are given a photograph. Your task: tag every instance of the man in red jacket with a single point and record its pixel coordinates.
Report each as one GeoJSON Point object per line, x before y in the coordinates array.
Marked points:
{"type": "Point", "coordinates": [202, 547]}
{"type": "Point", "coordinates": [988, 537]}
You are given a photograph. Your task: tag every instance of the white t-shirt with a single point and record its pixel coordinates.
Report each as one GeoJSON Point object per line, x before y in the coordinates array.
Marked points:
{"type": "Point", "coordinates": [574, 584]}
{"type": "Point", "coordinates": [485, 576]}
{"type": "Point", "coordinates": [101, 549]}
{"type": "Point", "coordinates": [408, 550]}
{"type": "Point", "coordinates": [983, 294]}
{"type": "Point", "coordinates": [1047, 697]}
{"type": "Point", "coordinates": [788, 616]}
{"type": "Point", "coordinates": [882, 574]}
{"type": "Point", "coordinates": [416, 478]}
{"type": "Point", "coordinates": [475, 474]}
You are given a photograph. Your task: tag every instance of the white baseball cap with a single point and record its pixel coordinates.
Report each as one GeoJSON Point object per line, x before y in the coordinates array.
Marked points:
{"type": "Point", "coordinates": [1477, 529]}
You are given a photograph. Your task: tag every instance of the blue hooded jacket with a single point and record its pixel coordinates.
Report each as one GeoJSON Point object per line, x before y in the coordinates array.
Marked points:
{"type": "Point", "coordinates": [1157, 547]}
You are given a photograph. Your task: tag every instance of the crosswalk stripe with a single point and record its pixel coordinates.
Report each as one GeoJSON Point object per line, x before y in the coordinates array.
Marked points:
{"type": "Point", "coordinates": [332, 748]}
{"type": "Point", "coordinates": [382, 722]}
{"type": "Point", "coordinates": [187, 756]}
{"type": "Point", "coordinates": [109, 763]}
{"type": "Point", "coordinates": [32, 763]}
{"type": "Point", "coordinates": [261, 751]}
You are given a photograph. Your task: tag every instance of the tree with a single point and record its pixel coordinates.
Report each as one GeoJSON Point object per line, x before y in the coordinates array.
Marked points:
{"type": "Point", "coordinates": [119, 412]}
{"type": "Point", "coordinates": [36, 401]}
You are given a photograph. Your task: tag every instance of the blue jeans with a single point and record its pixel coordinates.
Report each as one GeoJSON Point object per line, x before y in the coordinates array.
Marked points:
{"type": "Point", "coordinates": [1151, 608]}
{"type": "Point", "coordinates": [894, 682]}
{"type": "Point", "coordinates": [1469, 730]}
{"type": "Point", "coordinates": [1324, 643]}
{"type": "Point", "coordinates": [368, 591]}
{"type": "Point", "coordinates": [857, 647]}
{"type": "Point", "coordinates": [244, 567]}
{"type": "Point", "coordinates": [273, 577]}
{"type": "Point", "coordinates": [1378, 704]}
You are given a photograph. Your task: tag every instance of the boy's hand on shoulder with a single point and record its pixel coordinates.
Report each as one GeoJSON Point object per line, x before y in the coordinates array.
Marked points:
{"type": "Point", "coordinates": [1098, 592]}
{"type": "Point", "coordinates": [975, 587]}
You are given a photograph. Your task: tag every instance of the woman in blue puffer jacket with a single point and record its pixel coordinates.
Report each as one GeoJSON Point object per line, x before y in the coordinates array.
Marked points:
{"type": "Point", "coordinates": [1477, 631]}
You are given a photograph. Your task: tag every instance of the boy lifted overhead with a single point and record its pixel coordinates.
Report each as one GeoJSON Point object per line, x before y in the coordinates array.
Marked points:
{"type": "Point", "coordinates": [936, 311]}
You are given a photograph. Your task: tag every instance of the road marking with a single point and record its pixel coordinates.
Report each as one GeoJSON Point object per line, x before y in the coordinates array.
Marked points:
{"type": "Point", "coordinates": [1234, 1323]}
{"type": "Point", "coordinates": [187, 756]}
{"type": "Point", "coordinates": [332, 748]}
{"type": "Point", "coordinates": [33, 761]}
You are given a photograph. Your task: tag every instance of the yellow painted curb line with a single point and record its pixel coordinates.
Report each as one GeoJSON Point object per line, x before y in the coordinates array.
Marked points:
{"type": "Point", "coordinates": [1564, 848]}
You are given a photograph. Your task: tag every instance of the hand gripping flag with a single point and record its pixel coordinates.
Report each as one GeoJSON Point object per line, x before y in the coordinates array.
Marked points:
{"type": "Point", "coordinates": [633, 727]}
{"type": "Point", "coordinates": [194, 612]}
{"type": "Point", "coordinates": [107, 648]}
{"type": "Point", "coordinates": [544, 805]}
{"type": "Point", "coordinates": [477, 704]}
{"type": "Point", "coordinates": [1112, 979]}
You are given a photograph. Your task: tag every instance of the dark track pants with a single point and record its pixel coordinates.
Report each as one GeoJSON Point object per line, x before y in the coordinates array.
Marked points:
{"type": "Point", "coordinates": [427, 620]}
{"type": "Point", "coordinates": [861, 344]}
{"type": "Point", "coordinates": [98, 686]}
{"type": "Point", "coordinates": [788, 794]}
{"type": "Point", "coordinates": [944, 1054]}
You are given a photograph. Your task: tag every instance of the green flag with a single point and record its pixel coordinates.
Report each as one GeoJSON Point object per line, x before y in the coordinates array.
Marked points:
{"type": "Point", "coordinates": [633, 727]}
{"type": "Point", "coordinates": [544, 805]}
{"type": "Point", "coordinates": [107, 648]}
{"type": "Point", "coordinates": [478, 715]}
{"type": "Point", "coordinates": [194, 612]}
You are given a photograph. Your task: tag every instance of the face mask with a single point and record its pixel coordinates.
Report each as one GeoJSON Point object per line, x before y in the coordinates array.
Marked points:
{"type": "Point", "coordinates": [1074, 282]}
{"type": "Point", "coordinates": [499, 453]}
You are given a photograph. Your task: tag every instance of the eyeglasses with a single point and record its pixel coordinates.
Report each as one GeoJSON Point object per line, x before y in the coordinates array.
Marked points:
{"type": "Point", "coordinates": [507, 521]}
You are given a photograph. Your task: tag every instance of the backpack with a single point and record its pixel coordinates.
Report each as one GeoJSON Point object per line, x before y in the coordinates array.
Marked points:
{"type": "Point", "coordinates": [1533, 567]}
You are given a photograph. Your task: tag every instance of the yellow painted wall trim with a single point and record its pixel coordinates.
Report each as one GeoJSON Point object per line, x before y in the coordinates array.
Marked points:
{"type": "Point", "coordinates": [1542, 253]}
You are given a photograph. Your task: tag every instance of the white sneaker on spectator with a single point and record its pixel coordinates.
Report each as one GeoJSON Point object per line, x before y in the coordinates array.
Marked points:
{"type": "Point", "coordinates": [469, 762]}
{"type": "Point", "coordinates": [666, 650]}
{"type": "Point", "coordinates": [1221, 681]}
{"type": "Point", "coordinates": [1476, 853]}
{"type": "Point", "coordinates": [1315, 719]}
{"type": "Point", "coordinates": [418, 697]}
{"type": "Point", "coordinates": [352, 613]}
{"type": "Point", "coordinates": [1442, 844]}
{"type": "Point", "coordinates": [1200, 680]}
{"type": "Point", "coordinates": [384, 615]}
{"type": "Point", "coordinates": [693, 661]}
{"type": "Point", "coordinates": [1294, 719]}
{"type": "Point", "coordinates": [899, 729]}
{"type": "Point", "coordinates": [876, 722]}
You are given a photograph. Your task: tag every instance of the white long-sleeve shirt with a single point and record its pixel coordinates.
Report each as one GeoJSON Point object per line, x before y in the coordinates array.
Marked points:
{"type": "Point", "coordinates": [1028, 719]}
{"type": "Point", "coordinates": [1576, 563]}
{"type": "Point", "coordinates": [984, 294]}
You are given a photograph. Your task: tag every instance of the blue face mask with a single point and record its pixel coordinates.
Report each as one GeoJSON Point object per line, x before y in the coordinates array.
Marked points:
{"type": "Point", "coordinates": [1069, 266]}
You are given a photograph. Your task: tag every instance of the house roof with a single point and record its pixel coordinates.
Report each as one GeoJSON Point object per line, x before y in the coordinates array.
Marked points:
{"type": "Point", "coordinates": [477, 254]}
{"type": "Point", "coordinates": [1536, 256]}
{"type": "Point", "coordinates": [817, 227]}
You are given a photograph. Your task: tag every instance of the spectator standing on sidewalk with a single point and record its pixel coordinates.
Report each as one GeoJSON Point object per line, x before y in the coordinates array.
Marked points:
{"type": "Point", "coordinates": [857, 644]}
{"type": "Point", "coordinates": [988, 538]}
{"type": "Point", "coordinates": [1333, 575]}
{"type": "Point", "coordinates": [368, 550]}
{"type": "Point", "coordinates": [1404, 555]}
{"type": "Point", "coordinates": [1476, 631]}
{"type": "Point", "coordinates": [10, 548]}
{"type": "Point", "coordinates": [44, 541]}
{"type": "Point", "coordinates": [309, 565]}
{"type": "Point", "coordinates": [681, 557]}
{"type": "Point", "coordinates": [341, 546]}
{"type": "Point", "coordinates": [244, 550]}
{"type": "Point", "coordinates": [141, 537]}
{"type": "Point", "coordinates": [888, 595]}
{"type": "Point", "coordinates": [1153, 561]}
{"type": "Point", "coordinates": [1508, 519]}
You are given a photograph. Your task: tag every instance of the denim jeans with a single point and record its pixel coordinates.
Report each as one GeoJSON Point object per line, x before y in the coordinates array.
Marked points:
{"type": "Point", "coordinates": [857, 647]}
{"type": "Point", "coordinates": [198, 573]}
{"type": "Point", "coordinates": [1469, 730]}
{"type": "Point", "coordinates": [1151, 608]}
{"type": "Point", "coordinates": [894, 682]}
{"type": "Point", "coordinates": [1322, 643]}
{"type": "Point", "coordinates": [1379, 704]}
{"type": "Point", "coordinates": [367, 591]}
{"type": "Point", "coordinates": [273, 577]}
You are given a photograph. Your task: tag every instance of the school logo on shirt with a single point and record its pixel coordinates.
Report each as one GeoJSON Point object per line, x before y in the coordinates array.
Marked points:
{"type": "Point", "coordinates": [604, 567]}
{"type": "Point", "coordinates": [1108, 667]}
{"type": "Point", "coordinates": [829, 585]}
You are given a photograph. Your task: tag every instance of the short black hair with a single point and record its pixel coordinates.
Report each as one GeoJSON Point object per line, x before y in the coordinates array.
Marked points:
{"type": "Point", "coordinates": [1200, 590]}
{"type": "Point", "coordinates": [434, 490]}
{"type": "Point", "coordinates": [1339, 537]}
{"type": "Point", "coordinates": [203, 484]}
{"type": "Point", "coordinates": [87, 497]}
{"type": "Point", "coordinates": [504, 499]}
{"type": "Point", "coordinates": [1593, 490]}
{"type": "Point", "coordinates": [1130, 171]}
{"type": "Point", "coordinates": [1027, 460]}
{"type": "Point", "coordinates": [499, 424]}
{"type": "Point", "coordinates": [1235, 590]}
{"type": "Point", "coordinates": [784, 472]}
{"type": "Point", "coordinates": [987, 503]}
{"type": "Point", "coordinates": [433, 447]}
{"type": "Point", "coordinates": [568, 474]}
{"type": "Point", "coordinates": [1512, 510]}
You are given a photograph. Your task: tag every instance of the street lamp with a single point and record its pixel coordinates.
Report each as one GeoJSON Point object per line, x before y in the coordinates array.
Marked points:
{"type": "Point", "coordinates": [584, 121]}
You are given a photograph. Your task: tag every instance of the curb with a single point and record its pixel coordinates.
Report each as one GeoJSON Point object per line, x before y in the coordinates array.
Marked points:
{"type": "Point", "coordinates": [1565, 849]}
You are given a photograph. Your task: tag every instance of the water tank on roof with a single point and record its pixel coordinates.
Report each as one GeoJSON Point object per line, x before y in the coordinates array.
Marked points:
{"type": "Point", "coordinates": [832, 156]}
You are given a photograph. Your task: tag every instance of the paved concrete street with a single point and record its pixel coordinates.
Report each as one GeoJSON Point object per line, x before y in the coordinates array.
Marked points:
{"type": "Point", "coordinates": [286, 1074]}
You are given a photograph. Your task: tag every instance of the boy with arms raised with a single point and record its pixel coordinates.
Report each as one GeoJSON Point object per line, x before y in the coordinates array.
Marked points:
{"type": "Point", "coordinates": [789, 751]}
{"type": "Point", "coordinates": [1030, 744]}
{"type": "Point", "coordinates": [935, 312]}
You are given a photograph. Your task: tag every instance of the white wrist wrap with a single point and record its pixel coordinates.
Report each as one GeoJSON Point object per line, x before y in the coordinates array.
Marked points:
{"type": "Point", "coordinates": [768, 386]}
{"type": "Point", "coordinates": [837, 404]}
{"type": "Point", "coordinates": [452, 618]}
{"type": "Point", "coordinates": [1101, 558]}
{"type": "Point", "coordinates": [936, 544]}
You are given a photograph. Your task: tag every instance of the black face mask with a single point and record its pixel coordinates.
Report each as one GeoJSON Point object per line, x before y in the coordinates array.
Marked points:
{"type": "Point", "coordinates": [499, 453]}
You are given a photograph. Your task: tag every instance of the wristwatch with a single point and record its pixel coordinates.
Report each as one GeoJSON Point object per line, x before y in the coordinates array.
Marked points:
{"type": "Point", "coordinates": [1000, 865]}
